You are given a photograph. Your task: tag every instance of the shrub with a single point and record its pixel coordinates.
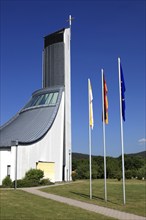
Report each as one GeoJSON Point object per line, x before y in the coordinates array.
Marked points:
{"type": "Point", "coordinates": [25, 183]}
{"type": "Point", "coordinates": [44, 182]}
{"type": "Point", "coordinates": [31, 183]}
{"type": "Point", "coordinates": [74, 175]}
{"type": "Point", "coordinates": [32, 178]}
{"type": "Point", "coordinates": [7, 182]}
{"type": "Point", "coordinates": [34, 174]}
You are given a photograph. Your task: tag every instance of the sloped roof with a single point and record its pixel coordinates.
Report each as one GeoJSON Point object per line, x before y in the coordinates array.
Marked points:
{"type": "Point", "coordinates": [30, 124]}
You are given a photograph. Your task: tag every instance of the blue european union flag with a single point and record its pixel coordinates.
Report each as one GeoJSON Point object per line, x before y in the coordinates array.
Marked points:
{"type": "Point", "coordinates": [123, 89]}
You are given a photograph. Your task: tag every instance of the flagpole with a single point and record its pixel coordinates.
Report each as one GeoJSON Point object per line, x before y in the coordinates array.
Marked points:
{"type": "Point", "coordinates": [90, 162]}
{"type": "Point", "coordinates": [90, 167]}
{"type": "Point", "coordinates": [103, 123]}
{"type": "Point", "coordinates": [122, 142]}
{"type": "Point", "coordinates": [70, 97]}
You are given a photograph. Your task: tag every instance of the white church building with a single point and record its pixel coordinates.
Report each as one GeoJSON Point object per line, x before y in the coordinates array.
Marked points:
{"type": "Point", "coordinates": [39, 135]}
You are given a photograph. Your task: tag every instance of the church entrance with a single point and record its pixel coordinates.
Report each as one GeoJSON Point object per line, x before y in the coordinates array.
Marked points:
{"type": "Point", "coordinates": [48, 168]}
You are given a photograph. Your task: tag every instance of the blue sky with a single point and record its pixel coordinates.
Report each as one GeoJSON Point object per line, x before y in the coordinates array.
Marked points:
{"type": "Point", "coordinates": [102, 31]}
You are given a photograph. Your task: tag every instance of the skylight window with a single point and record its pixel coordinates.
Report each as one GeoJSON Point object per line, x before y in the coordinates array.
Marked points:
{"type": "Point", "coordinates": [43, 99]}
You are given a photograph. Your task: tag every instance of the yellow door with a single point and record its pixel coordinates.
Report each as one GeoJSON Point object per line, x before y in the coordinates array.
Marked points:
{"type": "Point", "coordinates": [48, 168]}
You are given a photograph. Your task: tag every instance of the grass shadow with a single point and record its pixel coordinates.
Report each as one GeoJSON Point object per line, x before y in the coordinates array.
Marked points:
{"type": "Point", "coordinates": [87, 196]}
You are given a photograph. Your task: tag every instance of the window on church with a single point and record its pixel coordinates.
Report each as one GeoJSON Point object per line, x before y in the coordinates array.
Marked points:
{"type": "Point", "coordinates": [43, 99]}
{"type": "Point", "coordinates": [54, 98]}
{"type": "Point", "coordinates": [8, 170]}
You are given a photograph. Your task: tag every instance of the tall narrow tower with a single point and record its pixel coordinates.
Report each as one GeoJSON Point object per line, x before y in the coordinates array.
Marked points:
{"type": "Point", "coordinates": [56, 73]}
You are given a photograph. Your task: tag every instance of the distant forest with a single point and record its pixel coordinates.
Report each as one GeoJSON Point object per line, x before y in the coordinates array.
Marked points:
{"type": "Point", "coordinates": [135, 166]}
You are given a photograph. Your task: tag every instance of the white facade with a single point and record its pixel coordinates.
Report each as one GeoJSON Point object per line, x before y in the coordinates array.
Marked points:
{"type": "Point", "coordinates": [68, 158]}
{"type": "Point", "coordinates": [5, 161]}
{"type": "Point", "coordinates": [48, 149]}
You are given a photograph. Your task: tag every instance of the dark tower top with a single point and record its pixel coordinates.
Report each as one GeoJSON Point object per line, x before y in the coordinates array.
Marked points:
{"type": "Point", "coordinates": [54, 60]}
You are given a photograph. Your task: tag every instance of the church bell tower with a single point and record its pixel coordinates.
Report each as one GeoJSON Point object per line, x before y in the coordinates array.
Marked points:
{"type": "Point", "coordinates": [57, 73]}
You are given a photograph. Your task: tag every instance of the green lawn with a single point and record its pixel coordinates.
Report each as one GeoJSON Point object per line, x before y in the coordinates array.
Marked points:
{"type": "Point", "coordinates": [17, 205]}
{"type": "Point", "coordinates": [135, 194]}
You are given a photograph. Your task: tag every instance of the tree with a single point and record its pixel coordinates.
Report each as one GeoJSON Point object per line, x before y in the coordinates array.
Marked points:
{"type": "Point", "coordinates": [112, 167]}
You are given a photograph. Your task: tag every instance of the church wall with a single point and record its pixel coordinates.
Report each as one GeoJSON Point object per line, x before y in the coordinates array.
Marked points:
{"type": "Point", "coordinates": [48, 149]}
{"type": "Point", "coordinates": [5, 160]}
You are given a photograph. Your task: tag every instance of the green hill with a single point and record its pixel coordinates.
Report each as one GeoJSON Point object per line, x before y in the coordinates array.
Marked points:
{"type": "Point", "coordinates": [135, 166]}
{"type": "Point", "coordinates": [140, 154]}
{"type": "Point", "coordinates": [86, 156]}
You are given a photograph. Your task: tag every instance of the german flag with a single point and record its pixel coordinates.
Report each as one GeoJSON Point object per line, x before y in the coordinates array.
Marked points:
{"type": "Point", "coordinates": [105, 99]}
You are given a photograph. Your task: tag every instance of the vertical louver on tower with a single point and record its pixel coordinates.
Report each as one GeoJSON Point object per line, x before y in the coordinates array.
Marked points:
{"type": "Point", "coordinates": [54, 60]}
